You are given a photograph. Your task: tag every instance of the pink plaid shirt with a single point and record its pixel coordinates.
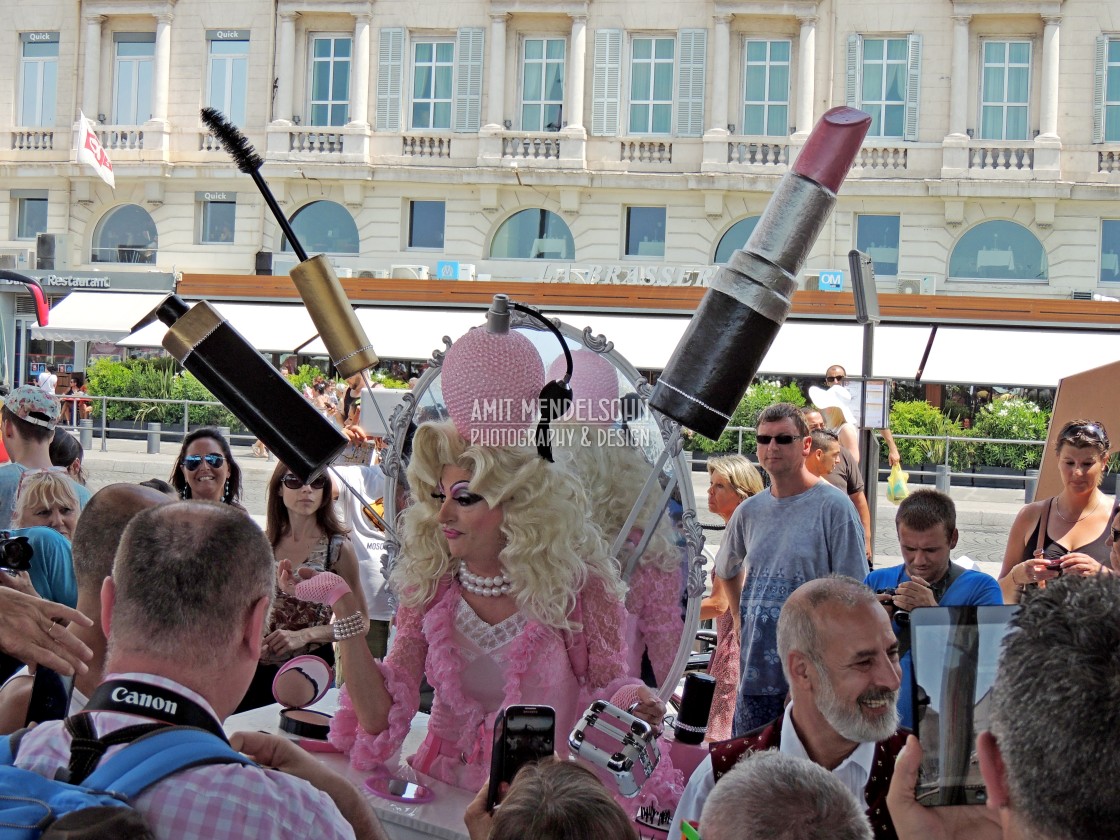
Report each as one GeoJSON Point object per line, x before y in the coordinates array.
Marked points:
{"type": "Point", "coordinates": [209, 802]}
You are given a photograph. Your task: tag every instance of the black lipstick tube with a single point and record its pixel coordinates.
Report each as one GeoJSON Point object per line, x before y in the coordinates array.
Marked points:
{"type": "Point", "coordinates": [750, 297]}
{"type": "Point", "coordinates": [222, 360]}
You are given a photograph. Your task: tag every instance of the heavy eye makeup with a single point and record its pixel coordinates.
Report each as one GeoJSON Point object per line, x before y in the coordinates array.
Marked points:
{"type": "Point", "coordinates": [459, 493]}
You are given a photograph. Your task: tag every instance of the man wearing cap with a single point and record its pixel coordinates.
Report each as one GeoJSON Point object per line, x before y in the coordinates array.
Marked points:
{"type": "Point", "coordinates": [27, 423]}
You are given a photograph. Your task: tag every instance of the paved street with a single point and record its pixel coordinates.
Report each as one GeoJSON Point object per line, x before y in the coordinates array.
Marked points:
{"type": "Point", "coordinates": [984, 515]}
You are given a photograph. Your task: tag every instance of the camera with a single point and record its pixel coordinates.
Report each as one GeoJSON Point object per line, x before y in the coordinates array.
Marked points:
{"type": "Point", "coordinates": [15, 553]}
{"type": "Point", "coordinates": [1055, 566]}
{"type": "Point", "coordinates": [901, 617]}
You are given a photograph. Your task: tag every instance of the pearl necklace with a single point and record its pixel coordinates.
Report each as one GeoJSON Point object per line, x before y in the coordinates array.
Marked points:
{"type": "Point", "coordinates": [1092, 510]}
{"type": "Point", "coordinates": [487, 587]}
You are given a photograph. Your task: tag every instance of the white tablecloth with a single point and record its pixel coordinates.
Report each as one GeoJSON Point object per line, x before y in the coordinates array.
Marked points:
{"type": "Point", "coordinates": [441, 818]}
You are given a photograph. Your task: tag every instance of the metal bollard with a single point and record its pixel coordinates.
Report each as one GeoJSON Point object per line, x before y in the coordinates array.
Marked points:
{"type": "Point", "coordinates": [85, 434]}
{"type": "Point", "coordinates": [941, 478]}
{"type": "Point", "coordinates": [153, 438]}
{"type": "Point", "coordinates": [1030, 486]}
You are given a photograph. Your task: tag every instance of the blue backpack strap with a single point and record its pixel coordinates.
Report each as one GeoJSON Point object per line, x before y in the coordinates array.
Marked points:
{"type": "Point", "coordinates": [154, 757]}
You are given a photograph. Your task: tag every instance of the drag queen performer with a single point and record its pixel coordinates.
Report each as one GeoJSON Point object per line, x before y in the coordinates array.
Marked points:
{"type": "Point", "coordinates": [506, 595]}
{"type": "Point", "coordinates": [613, 471]}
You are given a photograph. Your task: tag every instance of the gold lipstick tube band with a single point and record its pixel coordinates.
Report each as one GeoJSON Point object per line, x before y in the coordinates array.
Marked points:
{"type": "Point", "coordinates": [191, 329]}
{"type": "Point", "coordinates": [349, 348]}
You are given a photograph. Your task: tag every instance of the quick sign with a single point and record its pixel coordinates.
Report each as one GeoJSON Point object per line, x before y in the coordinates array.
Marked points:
{"type": "Point", "coordinates": [227, 34]}
{"type": "Point", "coordinates": [39, 37]}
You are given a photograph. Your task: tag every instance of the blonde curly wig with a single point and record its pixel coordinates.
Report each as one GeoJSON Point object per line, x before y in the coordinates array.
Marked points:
{"type": "Point", "coordinates": [613, 475]}
{"type": "Point", "coordinates": [550, 550]}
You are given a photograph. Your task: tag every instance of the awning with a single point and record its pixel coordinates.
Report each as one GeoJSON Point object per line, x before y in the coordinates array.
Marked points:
{"type": "Point", "coordinates": [270, 328]}
{"type": "Point", "coordinates": [802, 347]}
{"type": "Point", "coordinates": [96, 316]}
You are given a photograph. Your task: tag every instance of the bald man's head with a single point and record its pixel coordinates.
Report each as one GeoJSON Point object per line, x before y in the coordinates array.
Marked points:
{"type": "Point", "coordinates": [99, 530]}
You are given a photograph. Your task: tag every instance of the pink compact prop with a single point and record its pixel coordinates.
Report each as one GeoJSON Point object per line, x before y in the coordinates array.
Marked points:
{"type": "Point", "coordinates": [594, 387]}
{"type": "Point", "coordinates": [491, 386]}
{"type": "Point", "coordinates": [299, 683]}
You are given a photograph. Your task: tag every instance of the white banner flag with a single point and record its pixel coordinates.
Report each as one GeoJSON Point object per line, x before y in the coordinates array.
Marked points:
{"type": "Point", "coordinates": [91, 151]}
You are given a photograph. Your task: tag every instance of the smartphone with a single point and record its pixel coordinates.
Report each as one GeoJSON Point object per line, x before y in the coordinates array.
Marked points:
{"type": "Point", "coordinates": [521, 734]}
{"type": "Point", "coordinates": [955, 652]}
{"type": "Point", "coordinates": [50, 696]}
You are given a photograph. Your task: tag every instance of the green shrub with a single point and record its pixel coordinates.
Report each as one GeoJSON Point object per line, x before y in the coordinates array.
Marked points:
{"type": "Point", "coordinates": [156, 379]}
{"type": "Point", "coordinates": [1012, 418]}
{"type": "Point", "coordinates": [759, 395]}
{"type": "Point", "coordinates": [304, 376]}
{"type": "Point", "coordinates": [918, 417]}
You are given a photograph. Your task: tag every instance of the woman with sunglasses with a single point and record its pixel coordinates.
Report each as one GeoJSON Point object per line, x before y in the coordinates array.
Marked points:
{"type": "Point", "coordinates": [1067, 534]}
{"type": "Point", "coordinates": [205, 469]}
{"type": "Point", "coordinates": [303, 528]}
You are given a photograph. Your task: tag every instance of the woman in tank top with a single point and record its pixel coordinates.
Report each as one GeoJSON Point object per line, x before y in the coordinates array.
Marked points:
{"type": "Point", "coordinates": [1068, 533]}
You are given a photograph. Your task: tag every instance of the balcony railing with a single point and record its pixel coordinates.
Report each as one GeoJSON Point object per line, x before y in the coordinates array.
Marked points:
{"type": "Point", "coordinates": [531, 147]}
{"type": "Point", "coordinates": [314, 141]}
{"type": "Point", "coordinates": [758, 153]}
{"type": "Point", "coordinates": [120, 137]}
{"type": "Point", "coordinates": [645, 151]}
{"type": "Point", "coordinates": [436, 146]}
{"type": "Point", "coordinates": [32, 139]}
{"type": "Point", "coordinates": [1108, 162]}
{"type": "Point", "coordinates": [996, 156]}
{"type": "Point", "coordinates": [892, 158]}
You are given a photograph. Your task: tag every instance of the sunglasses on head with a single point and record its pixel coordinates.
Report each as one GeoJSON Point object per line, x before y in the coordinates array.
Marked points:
{"type": "Point", "coordinates": [1089, 430]}
{"type": "Point", "coordinates": [781, 440]}
{"type": "Point", "coordinates": [193, 462]}
{"type": "Point", "coordinates": [294, 482]}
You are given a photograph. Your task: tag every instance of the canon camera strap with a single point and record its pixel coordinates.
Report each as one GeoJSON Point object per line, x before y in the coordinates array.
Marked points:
{"type": "Point", "coordinates": [162, 704]}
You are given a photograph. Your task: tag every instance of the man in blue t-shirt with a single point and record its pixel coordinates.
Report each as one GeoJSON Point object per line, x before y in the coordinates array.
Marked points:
{"type": "Point", "coordinates": [927, 532]}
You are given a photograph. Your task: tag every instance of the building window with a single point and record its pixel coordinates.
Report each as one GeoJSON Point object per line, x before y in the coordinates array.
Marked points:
{"type": "Point", "coordinates": [645, 231]}
{"type": "Point", "coordinates": [766, 88]}
{"type": "Point", "coordinates": [1111, 74]}
{"type": "Point", "coordinates": [884, 85]}
{"type": "Point", "coordinates": [433, 64]}
{"type": "Point", "coordinates": [735, 239]}
{"type": "Point", "coordinates": [533, 235]}
{"type": "Point", "coordinates": [1110, 251]}
{"type": "Point", "coordinates": [425, 224]}
{"type": "Point", "coordinates": [651, 85]}
{"type": "Point", "coordinates": [877, 236]}
{"type": "Point", "coordinates": [218, 222]}
{"type": "Point", "coordinates": [126, 234]}
{"type": "Point", "coordinates": [132, 94]}
{"type": "Point", "coordinates": [999, 250]}
{"type": "Point", "coordinates": [31, 217]}
{"type": "Point", "coordinates": [1005, 90]}
{"type": "Point", "coordinates": [324, 227]}
{"type": "Point", "coordinates": [542, 84]}
{"type": "Point", "coordinates": [38, 79]}
{"type": "Point", "coordinates": [330, 80]}
{"type": "Point", "coordinates": [884, 76]}
{"type": "Point", "coordinates": [229, 68]}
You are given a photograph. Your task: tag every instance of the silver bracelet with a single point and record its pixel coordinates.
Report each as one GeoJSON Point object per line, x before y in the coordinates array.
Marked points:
{"type": "Point", "coordinates": [349, 627]}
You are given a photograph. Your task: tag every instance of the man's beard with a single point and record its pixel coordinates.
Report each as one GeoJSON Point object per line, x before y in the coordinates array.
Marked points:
{"type": "Point", "coordinates": [849, 721]}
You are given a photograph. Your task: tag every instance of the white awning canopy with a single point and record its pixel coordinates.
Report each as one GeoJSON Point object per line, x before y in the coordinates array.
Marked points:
{"type": "Point", "coordinates": [96, 316]}
{"type": "Point", "coordinates": [959, 354]}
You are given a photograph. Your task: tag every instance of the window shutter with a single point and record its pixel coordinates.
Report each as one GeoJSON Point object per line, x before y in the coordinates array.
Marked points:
{"type": "Point", "coordinates": [690, 82]}
{"type": "Point", "coordinates": [606, 82]}
{"type": "Point", "coordinates": [467, 109]}
{"type": "Point", "coordinates": [1099, 75]}
{"type": "Point", "coordinates": [913, 86]}
{"type": "Point", "coordinates": [855, 67]}
{"type": "Point", "coordinates": [390, 56]}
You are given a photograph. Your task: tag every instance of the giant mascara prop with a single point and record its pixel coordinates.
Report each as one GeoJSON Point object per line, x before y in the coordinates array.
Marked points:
{"type": "Point", "coordinates": [749, 298]}
{"type": "Point", "coordinates": [42, 306]}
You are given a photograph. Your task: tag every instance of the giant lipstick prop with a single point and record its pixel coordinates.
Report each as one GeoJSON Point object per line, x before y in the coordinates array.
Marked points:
{"type": "Point", "coordinates": [749, 298]}
{"type": "Point", "coordinates": [314, 278]}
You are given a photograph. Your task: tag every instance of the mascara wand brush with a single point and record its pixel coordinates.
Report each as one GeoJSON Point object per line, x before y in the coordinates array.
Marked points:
{"type": "Point", "coordinates": [248, 161]}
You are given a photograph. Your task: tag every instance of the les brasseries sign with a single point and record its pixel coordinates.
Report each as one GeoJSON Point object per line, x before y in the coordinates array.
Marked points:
{"type": "Point", "coordinates": [631, 275]}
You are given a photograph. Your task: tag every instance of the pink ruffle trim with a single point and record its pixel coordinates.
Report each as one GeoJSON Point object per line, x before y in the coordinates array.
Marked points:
{"type": "Point", "coordinates": [367, 750]}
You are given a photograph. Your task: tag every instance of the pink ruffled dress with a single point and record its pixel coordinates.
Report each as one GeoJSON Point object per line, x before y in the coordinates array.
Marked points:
{"type": "Point", "coordinates": [724, 666]}
{"type": "Point", "coordinates": [476, 669]}
{"type": "Point", "coordinates": [653, 619]}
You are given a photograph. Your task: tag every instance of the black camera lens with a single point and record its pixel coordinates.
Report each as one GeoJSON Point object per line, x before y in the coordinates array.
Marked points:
{"type": "Point", "coordinates": [902, 618]}
{"type": "Point", "coordinates": [15, 552]}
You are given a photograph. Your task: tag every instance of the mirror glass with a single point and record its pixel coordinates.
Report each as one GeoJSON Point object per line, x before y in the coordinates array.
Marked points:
{"type": "Point", "coordinates": [638, 482]}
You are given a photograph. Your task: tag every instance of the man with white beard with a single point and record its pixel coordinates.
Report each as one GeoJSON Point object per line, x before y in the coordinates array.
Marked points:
{"type": "Point", "coordinates": [840, 658]}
